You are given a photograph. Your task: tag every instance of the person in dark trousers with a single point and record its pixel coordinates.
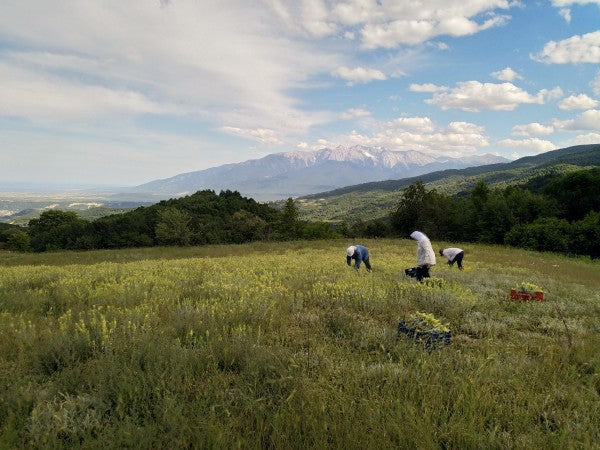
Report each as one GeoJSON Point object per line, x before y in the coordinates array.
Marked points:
{"type": "Point", "coordinates": [425, 255]}
{"type": "Point", "coordinates": [359, 254]}
{"type": "Point", "coordinates": [454, 255]}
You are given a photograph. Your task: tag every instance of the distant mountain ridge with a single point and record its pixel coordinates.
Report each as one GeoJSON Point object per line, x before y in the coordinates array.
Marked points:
{"type": "Point", "coordinates": [297, 173]}
{"type": "Point", "coordinates": [579, 155]}
{"type": "Point", "coordinates": [376, 199]}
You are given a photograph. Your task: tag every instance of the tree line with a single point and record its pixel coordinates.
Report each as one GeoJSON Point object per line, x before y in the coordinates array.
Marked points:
{"type": "Point", "coordinates": [202, 218]}
{"type": "Point", "coordinates": [558, 213]}
{"type": "Point", "coordinates": [550, 213]}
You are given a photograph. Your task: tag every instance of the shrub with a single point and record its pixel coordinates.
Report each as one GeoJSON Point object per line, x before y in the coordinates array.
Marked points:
{"type": "Point", "coordinates": [56, 230]}
{"type": "Point", "coordinates": [586, 235]}
{"type": "Point", "coordinates": [18, 241]}
{"type": "Point", "coordinates": [67, 418]}
{"type": "Point", "coordinates": [318, 230]}
{"type": "Point", "coordinates": [547, 234]}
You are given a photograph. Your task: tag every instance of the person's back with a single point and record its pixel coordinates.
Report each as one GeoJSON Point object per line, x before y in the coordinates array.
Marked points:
{"type": "Point", "coordinates": [454, 255]}
{"type": "Point", "coordinates": [359, 253]}
{"type": "Point", "coordinates": [425, 255]}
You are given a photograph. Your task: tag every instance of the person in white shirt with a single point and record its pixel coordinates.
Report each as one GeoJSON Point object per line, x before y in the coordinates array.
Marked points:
{"type": "Point", "coordinates": [425, 255]}
{"type": "Point", "coordinates": [454, 255]}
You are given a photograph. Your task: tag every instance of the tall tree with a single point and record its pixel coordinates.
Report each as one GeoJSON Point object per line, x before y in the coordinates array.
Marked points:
{"type": "Point", "coordinates": [408, 212]}
{"type": "Point", "coordinates": [577, 192]}
{"type": "Point", "coordinates": [172, 227]}
{"type": "Point", "coordinates": [56, 229]}
{"type": "Point", "coordinates": [289, 226]}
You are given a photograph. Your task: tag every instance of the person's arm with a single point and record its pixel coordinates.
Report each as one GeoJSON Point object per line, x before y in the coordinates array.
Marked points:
{"type": "Point", "coordinates": [358, 260]}
{"type": "Point", "coordinates": [348, 260]}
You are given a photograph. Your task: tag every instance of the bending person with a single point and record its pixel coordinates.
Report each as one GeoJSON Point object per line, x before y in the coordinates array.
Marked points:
{"type": "Point", "coordinates": [359, 254]}
{"type": "Point", "coordinates": [425, 255]}
{"type": "Point", "coordinates": [454, 255]}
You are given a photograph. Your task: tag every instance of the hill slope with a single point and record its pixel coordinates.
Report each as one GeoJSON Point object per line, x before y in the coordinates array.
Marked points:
{"type": "Point", "coordinates": [246, 346]}
{"type": "Point", "coordinates": [376, 199]}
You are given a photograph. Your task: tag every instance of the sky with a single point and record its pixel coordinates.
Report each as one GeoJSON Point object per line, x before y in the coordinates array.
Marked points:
{"type": "Point", "coordinates": [113, 92]}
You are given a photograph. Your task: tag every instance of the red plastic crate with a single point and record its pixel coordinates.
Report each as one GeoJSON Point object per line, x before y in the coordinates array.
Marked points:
{"type": "Point", "coordinates": [516, 296]}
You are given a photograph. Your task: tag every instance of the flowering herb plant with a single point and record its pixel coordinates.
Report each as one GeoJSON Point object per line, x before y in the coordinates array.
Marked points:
{"type": "Point", "coordinates": [425, 322]}
{"type": "Point", "coordinates": [528, 287]}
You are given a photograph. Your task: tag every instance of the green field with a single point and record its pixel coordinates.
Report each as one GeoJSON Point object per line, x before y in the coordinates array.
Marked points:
{"type": "Point", "coordinates": [283, 346]}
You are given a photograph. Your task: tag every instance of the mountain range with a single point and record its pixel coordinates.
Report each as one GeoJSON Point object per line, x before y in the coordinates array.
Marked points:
{"type": "Point", "coordinates": [376, 199]}
{"type": "Point", "coordinates": [361, 200]}
{"type": "Point", "coordinates": [297, 173]}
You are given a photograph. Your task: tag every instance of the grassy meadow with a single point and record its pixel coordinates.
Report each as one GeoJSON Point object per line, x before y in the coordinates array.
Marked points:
{"type": "Point", "coordinates": [281, 345]}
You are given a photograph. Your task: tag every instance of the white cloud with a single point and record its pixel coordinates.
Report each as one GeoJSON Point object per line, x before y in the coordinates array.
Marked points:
{"type": "Point", "coordinates": [439, 45]}
{"type": "Point", "coordinates": [566, 14]}
{"type": "Point", "coordinates": [358, 74]}
{"type": "Point", "coordinates": [424, 135]}
{"type": "Point", "coordinates": [39, 97]}
{"type": "Point", "coordinates": [531, 145]}
{"type": "Point", "coordinates": [389, 24]}
{"type": "Point", "coordinates": [532, 129]}
{"type": "Point", "coordinates": [506, 74]}
{"type": "Point", "coordinates": [315, 18]}
{"type": "Point", "coordinates": [595, 84]}
{"type": "Point", "coordinates": [583, 139]}
{"type": "Point", "coordinates": [354, 113]}
{"type": "Point", "coordinates": [317, 145]}
{"type": "Point", "coordinates": [475, 96]}
{"type": "Point", "coordinates": [588, 120]}
{"type": "Point", "coordinates": [576, 49]}
{"type": "Point", "coordinates": [574, 2]}
{"type": "Point", "coordinates": [552, 94]}
{"type": "Point", "coordinates": [224, 65]}
{"type": "Point", "coordinates": [415, 31]}
{"type": "Point", "coordinates": [415, 124]}
{"type": "Point", "coordinates": [465, 128]}
{"type": "Point", "coordinates": [324, 143]}
{"type": "Point", "coordinates": [400, 62]}
{"type": "Point", "coordinates": [264, 136]}
{"type": "Point", "coordinates": [580, 101]}
{"type": "Point", "coordinates": [427, 87]}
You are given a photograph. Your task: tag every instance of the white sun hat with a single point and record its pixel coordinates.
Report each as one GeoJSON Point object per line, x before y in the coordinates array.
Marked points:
{"type": "Point", "coordinates": [350, 250]}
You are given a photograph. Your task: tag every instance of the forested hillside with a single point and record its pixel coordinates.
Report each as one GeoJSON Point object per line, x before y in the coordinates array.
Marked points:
{"type": "Point", "coordinates": [375, 200]}
{"type": "Point", "coordinates": [13, 236]}
{"type": "Point", "coordinates": [538, 204]}
{"type": "Point", "coordinates": [551, 213]}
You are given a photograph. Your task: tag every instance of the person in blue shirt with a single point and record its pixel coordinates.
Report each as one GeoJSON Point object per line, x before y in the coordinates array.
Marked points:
{"type": "Point", "coordinates": [359, 254]}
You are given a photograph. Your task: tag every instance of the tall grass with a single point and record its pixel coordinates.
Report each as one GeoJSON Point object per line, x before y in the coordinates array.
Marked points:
{"type": "Point", "coordinates": [283, 346]}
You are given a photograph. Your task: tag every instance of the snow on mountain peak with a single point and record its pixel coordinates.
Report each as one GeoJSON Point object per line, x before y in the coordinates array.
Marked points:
{"type": "Point", "coordinates": [368, 154]}
{"type": "Point", "coordinates": [301, 172]}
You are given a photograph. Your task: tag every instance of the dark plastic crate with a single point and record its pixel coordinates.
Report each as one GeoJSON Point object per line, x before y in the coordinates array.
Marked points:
{"type": "Point", "coordinates": [430, 339]}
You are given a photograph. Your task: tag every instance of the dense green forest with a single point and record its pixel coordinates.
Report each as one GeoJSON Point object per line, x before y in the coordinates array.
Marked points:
{"type": "Point", "coordinates": [202, 218]}
{"type": "Point", "coordinates": [553, 212]}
